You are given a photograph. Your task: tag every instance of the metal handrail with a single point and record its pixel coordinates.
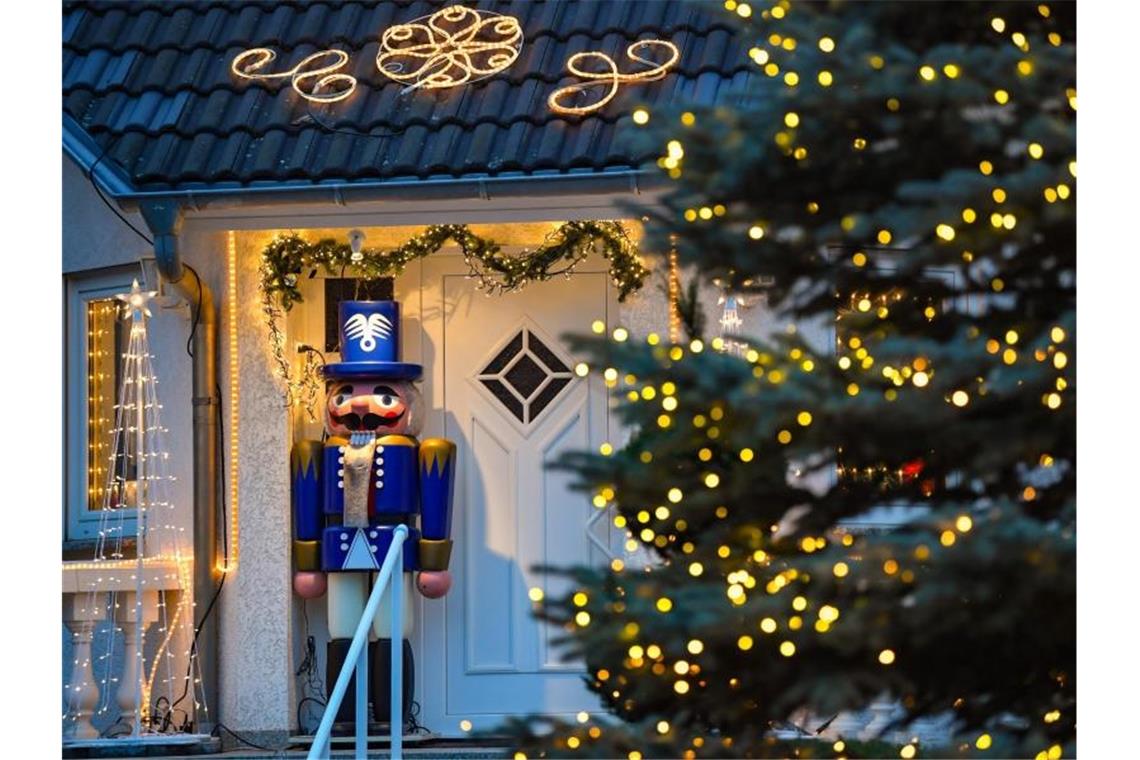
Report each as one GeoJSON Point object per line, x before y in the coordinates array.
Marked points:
{"type": "Point", "coordinates": [357, 660]}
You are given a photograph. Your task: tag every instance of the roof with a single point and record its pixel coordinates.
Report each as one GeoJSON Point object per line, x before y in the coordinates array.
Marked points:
{"type": "Point", "coordinates": [147, 86]}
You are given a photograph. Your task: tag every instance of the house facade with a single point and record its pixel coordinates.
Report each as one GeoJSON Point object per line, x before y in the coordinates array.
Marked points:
{"type": "Point", "coordinates": [163, 132]}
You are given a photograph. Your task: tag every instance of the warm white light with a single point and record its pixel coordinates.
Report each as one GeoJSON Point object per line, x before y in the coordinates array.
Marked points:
{"type": "Point", "coordinates": [612, 78]}
{"type": "Point", "coordinates": [312, 81]}
{"type": "Point", "coordinates": [452, 46]}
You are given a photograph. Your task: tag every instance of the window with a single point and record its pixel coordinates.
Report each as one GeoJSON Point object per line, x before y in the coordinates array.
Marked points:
{"type": "Point", "coordinates": [525, 376]}
{"type": "Point", "coordinates": [95, 336]}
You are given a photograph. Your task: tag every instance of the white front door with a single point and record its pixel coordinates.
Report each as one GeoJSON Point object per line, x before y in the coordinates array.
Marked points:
{"type": "Point", "coordinates": [501, 385]}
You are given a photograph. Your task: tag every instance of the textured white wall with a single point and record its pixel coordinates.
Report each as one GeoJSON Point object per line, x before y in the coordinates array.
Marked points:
{"type": "Point", "coordinates": [257, 664]}
{"type": "Point", "coordinates": [92, 236]}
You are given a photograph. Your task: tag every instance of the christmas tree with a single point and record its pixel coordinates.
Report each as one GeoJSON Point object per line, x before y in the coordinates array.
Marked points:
{"type": "Point", "coordinates": [899, 181]}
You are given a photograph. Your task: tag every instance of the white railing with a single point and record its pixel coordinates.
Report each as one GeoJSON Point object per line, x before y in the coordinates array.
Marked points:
{"type": "Point", "coordinates": [357, 659]}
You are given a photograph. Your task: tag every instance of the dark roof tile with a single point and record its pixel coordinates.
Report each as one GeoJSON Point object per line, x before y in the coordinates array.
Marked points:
{"type": "Point", "coordinates": [150, 80]}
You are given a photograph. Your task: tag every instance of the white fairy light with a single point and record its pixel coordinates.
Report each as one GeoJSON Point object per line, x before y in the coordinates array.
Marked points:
{"type": "Point", "coordinates": [137, 479]}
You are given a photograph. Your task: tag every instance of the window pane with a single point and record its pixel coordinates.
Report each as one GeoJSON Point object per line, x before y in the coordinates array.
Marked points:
{"type": "Point", "coordinates": [107, 337]}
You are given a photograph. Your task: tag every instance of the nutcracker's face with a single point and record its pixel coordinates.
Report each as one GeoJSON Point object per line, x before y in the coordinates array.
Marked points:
{"type": "Point", "coordinates": [373, 405]}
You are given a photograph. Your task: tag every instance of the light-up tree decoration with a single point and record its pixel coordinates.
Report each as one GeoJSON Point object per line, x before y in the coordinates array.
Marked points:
{"type": "Point", "coordinates": [135, 587]}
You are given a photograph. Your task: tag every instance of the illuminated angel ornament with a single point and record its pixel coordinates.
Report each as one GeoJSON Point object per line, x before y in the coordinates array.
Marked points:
{"type": "Point", "coordinates": [316, 78]}
{"type": "Point", "coordinates": [453, 46]}
{"type": "Point", "coordinates": [610, 77]}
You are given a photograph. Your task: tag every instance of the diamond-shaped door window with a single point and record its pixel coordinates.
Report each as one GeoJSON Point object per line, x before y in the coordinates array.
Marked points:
{"type": "Point", "coordinates": [525, 376]}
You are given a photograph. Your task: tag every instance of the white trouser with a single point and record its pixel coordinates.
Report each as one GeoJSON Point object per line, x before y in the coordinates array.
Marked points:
{"type": "Point", "coordinates": [348, 594]}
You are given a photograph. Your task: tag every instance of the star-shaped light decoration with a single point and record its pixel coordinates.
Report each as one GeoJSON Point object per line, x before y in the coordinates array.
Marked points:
{"type": "Point", "coordinates": [135, 302]}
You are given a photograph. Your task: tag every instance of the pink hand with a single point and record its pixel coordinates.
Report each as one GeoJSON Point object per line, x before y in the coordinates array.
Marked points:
{"type": "Point", "coordinates": [309, 584]}
{"type": "Point", "coordinates": [434, 583]}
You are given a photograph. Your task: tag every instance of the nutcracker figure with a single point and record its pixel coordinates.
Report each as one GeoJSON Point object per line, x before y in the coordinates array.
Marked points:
{"type": "Point", "coordinates": [352, 489]}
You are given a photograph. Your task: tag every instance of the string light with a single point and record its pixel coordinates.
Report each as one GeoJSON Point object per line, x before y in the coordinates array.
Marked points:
{"type": "Point", "coordinates": [453, 46]}
{"type": "Point", "coordinates": [674, 292]}
{"type": "Point", "coordinates": [235, 392]}
{"type": "Point", "coordinates": [564, 248]}
{"type": "Point", "coordinates": [137, 481]}
{"type": "Point", "coordinates": [314, 82]}
{"type": "Point", "coordinates": [611, 77]}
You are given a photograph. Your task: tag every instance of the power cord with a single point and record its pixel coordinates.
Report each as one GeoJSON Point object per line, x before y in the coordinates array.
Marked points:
{"type": "Point", "coordinates": [225, 554]}
{"type": "Point", "coordinates": [91, 178]}
{"type": "Point", "coordinates": [309, 115]}
{"type": "Point", "coordinates": [196, 318]}
{"type": "Point", "coordinates": [219, 727]}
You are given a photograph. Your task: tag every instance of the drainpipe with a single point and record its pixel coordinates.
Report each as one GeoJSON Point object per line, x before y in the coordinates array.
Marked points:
{"type": "Point", "coordinates": [164, 218]}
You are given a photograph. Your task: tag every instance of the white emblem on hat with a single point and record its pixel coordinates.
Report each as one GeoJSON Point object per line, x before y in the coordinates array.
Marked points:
{"type": "Point", "coordinates": [367, 328]}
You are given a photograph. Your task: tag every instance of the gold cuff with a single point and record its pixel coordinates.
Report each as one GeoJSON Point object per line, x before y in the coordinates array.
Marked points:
{"type": "Point", "coordinates": [307, 555]}
{"type": "Point", "coordinates": [434, 555]}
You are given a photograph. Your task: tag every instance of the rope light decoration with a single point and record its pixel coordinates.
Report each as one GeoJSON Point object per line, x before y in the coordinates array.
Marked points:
{"type": "Point", "coordinates": [559, 254]}
{"type": "Point", "coordinates": [312, 81]}
{"type": "Point", "coordinates": [611, 77]}
{"type": "Point", "coordinates": [452, 46]}
{"type": "Point", "coordinates": [235, 396]}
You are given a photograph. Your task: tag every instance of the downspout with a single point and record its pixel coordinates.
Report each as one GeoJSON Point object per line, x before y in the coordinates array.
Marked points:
{"type": "Point", "coordinates": [164, 218]}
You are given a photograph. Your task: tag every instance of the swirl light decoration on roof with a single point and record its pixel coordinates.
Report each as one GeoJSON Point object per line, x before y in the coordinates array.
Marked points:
{"type": "Point", "coordinates": [452, 46]}
{"type": "Point", "coordinates": [312, 81]}
{"type": "Point", "coordinates": [610, 77]}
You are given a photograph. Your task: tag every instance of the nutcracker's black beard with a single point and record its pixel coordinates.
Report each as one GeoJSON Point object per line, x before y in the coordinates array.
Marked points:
{"type": "Point", "coordinates": [370, 422]}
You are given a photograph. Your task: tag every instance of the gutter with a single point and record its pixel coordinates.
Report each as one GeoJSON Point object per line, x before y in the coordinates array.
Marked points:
{"type": "Point", "coordinates": [165, 221]}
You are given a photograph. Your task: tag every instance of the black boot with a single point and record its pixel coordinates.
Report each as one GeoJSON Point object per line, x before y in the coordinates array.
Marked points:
{"type": "Point", "coordinates": [380, 674]}
{"type": "Point", "coordinates": [336, 653]}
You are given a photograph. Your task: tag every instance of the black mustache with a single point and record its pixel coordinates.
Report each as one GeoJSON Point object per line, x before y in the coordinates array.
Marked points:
{"type": "Point", "coordinates": [353, 421]}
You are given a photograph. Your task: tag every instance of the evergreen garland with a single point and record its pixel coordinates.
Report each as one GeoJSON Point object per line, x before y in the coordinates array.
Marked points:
{"type": "Point", "coordinates": [566, 247]}
{"type": "Point", "coordinates": [287, 256]}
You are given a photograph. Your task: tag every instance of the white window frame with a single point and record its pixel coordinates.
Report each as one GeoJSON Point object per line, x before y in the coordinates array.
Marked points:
{"type": "Point", "coordinates": [81, 524]}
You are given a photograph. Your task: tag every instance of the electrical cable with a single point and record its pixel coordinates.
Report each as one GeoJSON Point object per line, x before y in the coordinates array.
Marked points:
{"type": "Point", "coordinates": [115, 211]}
{"type": "Point", "coordinates": [219, 726]}
{"type": "Point", "coordinates": [338, 130]}
{"type": "Point", "coordinates": [225, 551]}
{"type": "Point", "coordinates": [196, 317]}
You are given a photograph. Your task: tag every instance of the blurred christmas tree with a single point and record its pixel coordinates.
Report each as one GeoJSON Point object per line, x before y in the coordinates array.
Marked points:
{"type": "Point", "coordinates": [900, 177]}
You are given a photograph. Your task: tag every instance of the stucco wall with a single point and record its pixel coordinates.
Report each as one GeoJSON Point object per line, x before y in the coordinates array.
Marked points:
{"type": "Point", "coordinates": [256, 667]}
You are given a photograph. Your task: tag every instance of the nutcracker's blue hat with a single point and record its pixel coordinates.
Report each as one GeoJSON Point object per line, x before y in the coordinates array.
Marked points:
{"type": "Point", "coordinates": [370, 343]}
